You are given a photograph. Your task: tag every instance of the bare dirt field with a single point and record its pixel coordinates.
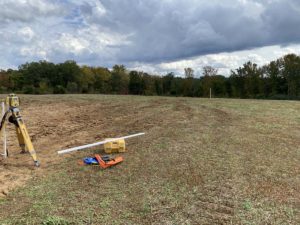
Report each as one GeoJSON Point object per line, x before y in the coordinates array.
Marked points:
{"type": "Point", "coordinates": [202, 161]}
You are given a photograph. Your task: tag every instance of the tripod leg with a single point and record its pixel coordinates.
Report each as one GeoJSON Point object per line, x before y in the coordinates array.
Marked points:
{"type": "Point", "coordinates": [3, 122]}
{"type": "Point", "coordinates": [20, 139]}
{"type": "Point", "coordinates": [2, 129]}
{"type": "Point", "coordinates": [27, 140]}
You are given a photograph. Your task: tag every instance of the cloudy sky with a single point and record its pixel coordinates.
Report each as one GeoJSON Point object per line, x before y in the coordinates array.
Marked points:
{"type": "Point", "coordinates": [156, 36]}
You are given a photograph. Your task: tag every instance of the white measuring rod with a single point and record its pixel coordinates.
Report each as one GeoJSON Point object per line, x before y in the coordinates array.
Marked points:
{"type": "Point", "coordinates": [97, 143]}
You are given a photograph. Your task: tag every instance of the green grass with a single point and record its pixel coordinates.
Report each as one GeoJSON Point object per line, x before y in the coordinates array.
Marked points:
{"type": "Point", "coordinates": [202, 161]}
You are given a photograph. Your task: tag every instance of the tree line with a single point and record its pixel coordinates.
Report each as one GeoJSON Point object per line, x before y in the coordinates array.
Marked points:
{"type": "Point", "coordinates": [279, 79]}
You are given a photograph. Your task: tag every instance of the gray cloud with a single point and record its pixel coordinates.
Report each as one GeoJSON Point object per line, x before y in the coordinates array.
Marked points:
{"type": "Point", "coordinates": [25, 11]}
{"type": "Point", "coordinates": [133, 32]}
{"type": "Point", "coordinates": [281, 22]}
{"type": "Point", "coordinates": [171, 30]}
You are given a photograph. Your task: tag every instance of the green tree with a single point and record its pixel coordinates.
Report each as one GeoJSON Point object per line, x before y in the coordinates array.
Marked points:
{"type": "Point", "coordinates": [148, 84]}
{"type": "Point", "coordinates": [218, 84]}
{"type": "Point", "coordinates": [136, 85]}
{"type": "Point", "coordinates": [119, 80]}
{"type": "Point", "coordinates": [72, 87]}
{"type": "Point", "coordinates": [250, 77]}
{"type": "Point", "coordinates": [102, 80]}
{"type": "Point", "coordinates": [87, 79]}
{"type": "Point", "coordinates": [208, 73]}
{"type": "Point", "coordinates": [188, 82]}
{"type": "Point", "coordinates": [291, 73]}
{"type": "Point", "coordinates": [4, 81]}
{"type": "Point", "coordinates": [167, 82]}
{"type": "Point", "coordinates": [67, 72]}
{"type": "Point", "coordinates": [237, 84]}
{"type": "Point", "coordinates": [16, 80]}
{"type": "Point", "coordinates": [36, 72]}
{"type": "Point", "coordinates": [158, 85]}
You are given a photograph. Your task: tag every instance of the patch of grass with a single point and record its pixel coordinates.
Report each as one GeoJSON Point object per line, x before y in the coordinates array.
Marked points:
{"type": "Point", "coordinates": [55, 220]}
{"type": "Point", "coordinates": [247, 205]}
{"type": "Point", "coordinates": [266, 213]}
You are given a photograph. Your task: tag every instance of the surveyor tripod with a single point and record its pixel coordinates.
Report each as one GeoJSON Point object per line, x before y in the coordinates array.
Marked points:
{"type": "Point", "coordinates": [12, 101]}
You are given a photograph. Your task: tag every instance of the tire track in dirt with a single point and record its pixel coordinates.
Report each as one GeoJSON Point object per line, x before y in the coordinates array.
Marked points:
{"type": "Point", "coordinates": [215, 201]}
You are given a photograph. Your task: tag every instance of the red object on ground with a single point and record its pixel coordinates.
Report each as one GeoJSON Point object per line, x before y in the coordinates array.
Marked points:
{"type": "Point", "coordinates": [110, 163]}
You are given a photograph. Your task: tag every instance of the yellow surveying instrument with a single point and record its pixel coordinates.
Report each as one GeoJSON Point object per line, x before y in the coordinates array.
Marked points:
{"type": "Point", "coordinates": [13, 102]}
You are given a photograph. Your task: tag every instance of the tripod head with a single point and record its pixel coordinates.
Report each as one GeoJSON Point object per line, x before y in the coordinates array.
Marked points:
{"type": "Point", "coordinates": [12, 100]}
